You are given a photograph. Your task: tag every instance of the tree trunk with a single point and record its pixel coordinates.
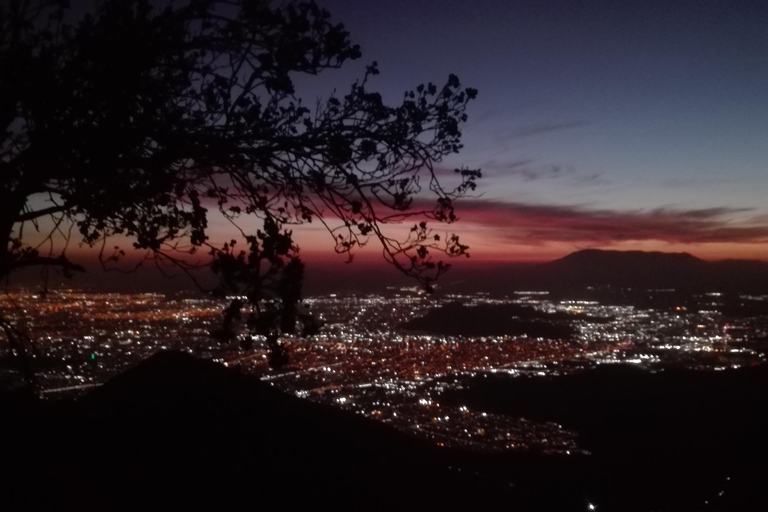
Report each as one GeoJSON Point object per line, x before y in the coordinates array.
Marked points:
{"type": "Point", "coordinates": [10, 208]}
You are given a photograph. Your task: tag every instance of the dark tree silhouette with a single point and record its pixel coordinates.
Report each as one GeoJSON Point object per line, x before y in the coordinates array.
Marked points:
{"type": "Point", "coordinates": [138, 121]}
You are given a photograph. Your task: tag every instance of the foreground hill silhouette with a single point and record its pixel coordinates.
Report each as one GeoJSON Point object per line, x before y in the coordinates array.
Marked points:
{"type": "Point", "coordinates": [670, 440]}
{"type": "Point", "coordinates": [176, 431]}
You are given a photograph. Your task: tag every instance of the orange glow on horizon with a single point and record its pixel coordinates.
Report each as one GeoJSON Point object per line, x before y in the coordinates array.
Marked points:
{"type": "Point", "coordinates": [318, 248]}
{"type": "Point", "coordinates": [487, 246]}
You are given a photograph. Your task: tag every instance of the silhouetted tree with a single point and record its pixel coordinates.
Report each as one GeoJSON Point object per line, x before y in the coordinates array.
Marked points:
{"type": "Point", "coordinates": [137, 121]}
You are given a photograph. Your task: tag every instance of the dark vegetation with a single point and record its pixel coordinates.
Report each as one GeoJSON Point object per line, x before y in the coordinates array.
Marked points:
{"type": "Point", "coordinates": [135, 121]}
{"type": "Point", "coordinates": [159, 115]}
{"type": "Point", "coordinates": [124, 118]}
{"type": "Point", "coordinates": [457, 319]}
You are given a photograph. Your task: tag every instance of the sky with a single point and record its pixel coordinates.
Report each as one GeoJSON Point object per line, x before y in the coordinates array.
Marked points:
{"type": "Point", "coordinates": [616, 125]}
{"type": "Point", "coordinates": [625, 125]}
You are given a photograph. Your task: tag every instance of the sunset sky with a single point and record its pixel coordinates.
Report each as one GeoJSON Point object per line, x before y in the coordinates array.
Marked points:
{"type": "Point", "coordinates": [599, 124]}
{"type": "Point", "coordinates": [621, 125]}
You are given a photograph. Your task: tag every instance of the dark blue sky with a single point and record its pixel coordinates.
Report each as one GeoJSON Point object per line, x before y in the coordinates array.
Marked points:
{"type": "Point", "coordinates": [611, 124]}
{"type": "Point", "coordinates": [629, 117]}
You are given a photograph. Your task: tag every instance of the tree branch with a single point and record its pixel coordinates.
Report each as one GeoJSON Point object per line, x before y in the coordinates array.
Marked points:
{"type": "Point", "coordinates": [40, 213]}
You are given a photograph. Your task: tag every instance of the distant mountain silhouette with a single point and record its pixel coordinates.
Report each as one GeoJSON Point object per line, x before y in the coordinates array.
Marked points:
{"type": "Point", "coordinates": [589, 267]}
{"type": "Point", "coordinates": [648, 270]}
{"type": "Point", "coordinates": [620, 269]}
{"type": "Point", "coordinates": [598, 256]}
{"type": "Point", "coordinates": [592, 267]}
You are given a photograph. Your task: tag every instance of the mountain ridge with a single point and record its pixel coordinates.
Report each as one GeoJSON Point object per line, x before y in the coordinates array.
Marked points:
{"type": "Point", "coordinates": [683, 271]}
{"type": "Point", "coordinates": [572, 272]}
{"type": "Point", "coordinates": [608, 253]}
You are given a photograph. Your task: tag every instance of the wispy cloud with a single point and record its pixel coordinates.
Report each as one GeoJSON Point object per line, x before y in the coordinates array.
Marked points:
{"type": "Point", "coordinates": [536, 129]}
{"type": "Point", "coordinates": [537, 223]}
{"type": "Point", "coordinates": [696, 182]}
{"type": "Point", "coordinates": [529, 170]}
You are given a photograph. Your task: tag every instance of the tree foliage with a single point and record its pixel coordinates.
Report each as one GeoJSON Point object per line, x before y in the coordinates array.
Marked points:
{"type": "Point", "coordinates": [141, 121]}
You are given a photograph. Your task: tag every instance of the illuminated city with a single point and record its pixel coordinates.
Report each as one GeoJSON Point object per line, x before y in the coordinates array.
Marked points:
{"type": "Point", "coordinates": [404, 255]}
{"type": "Point", "coordinates": [367, 359]}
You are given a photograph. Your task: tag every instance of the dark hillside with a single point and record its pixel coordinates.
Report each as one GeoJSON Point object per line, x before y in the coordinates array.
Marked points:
{"type": "Point", "coordinates": [184, 432]}
{"type": "Point", "coordinates": [456, 319]}
{"type": "Point", "coordinates": [660, 441]}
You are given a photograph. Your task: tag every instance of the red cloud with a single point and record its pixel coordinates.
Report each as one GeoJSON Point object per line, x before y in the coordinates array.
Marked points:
{"type": "Point", "coordinates": [534, 224]}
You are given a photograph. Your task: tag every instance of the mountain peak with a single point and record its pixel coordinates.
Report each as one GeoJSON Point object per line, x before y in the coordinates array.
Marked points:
{"type": "Point", "coordinates": [649, 270]}
{"type": "Point", "coordinates": [600, 255]}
